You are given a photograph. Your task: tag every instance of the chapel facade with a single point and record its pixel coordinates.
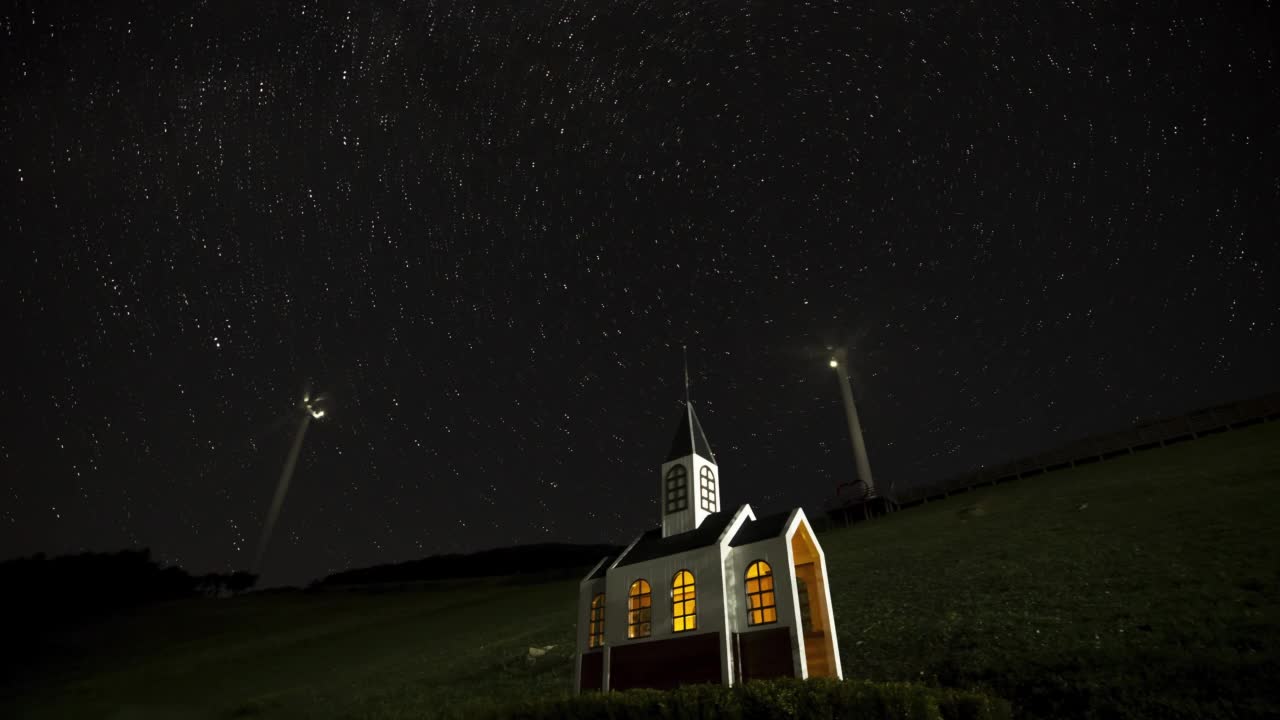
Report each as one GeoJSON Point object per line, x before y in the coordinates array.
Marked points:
{"type": "Point", "coordinates": [711, 595]}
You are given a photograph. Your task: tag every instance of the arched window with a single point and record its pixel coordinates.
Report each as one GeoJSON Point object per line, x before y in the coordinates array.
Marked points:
{"type": "Point", "coordinates": [762, 606]}
{"type": "Point", "coordinates": [707, 478]}
{"type": "Point", "coordinates": [639, 610]}
{"type": "Point", "coordinates": [595, 628]}
{"type": "Point", "coordinates": [677, 490]}
{"type": "Point", "coordinates": [684, 613]}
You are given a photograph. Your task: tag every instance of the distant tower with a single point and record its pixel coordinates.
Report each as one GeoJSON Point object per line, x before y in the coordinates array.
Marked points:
{"type": "Point", "coordinates": [690, 478]}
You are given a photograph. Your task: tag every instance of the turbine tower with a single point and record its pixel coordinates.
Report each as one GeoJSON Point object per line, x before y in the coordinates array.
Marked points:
{"type": "Point", "coordinates": [839, 361]}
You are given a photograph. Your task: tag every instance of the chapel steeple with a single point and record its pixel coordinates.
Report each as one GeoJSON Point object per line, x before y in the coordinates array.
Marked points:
{"type": "Point", "coordinates": [689, 464]}
{"type": "Point", "coordinates": [689, 437]}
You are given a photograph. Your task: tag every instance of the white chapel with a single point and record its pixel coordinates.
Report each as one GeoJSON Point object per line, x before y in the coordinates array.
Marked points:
{"type": "Point", "coordinates": [711, 595]}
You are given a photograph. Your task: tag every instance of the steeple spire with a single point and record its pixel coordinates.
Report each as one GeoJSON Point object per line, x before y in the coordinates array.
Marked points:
{"type": "Point", "coordinates": [684, 352]}
{"type": "Point", "coordinates": [689, 437]}
{"type": "Point", "coordinates": [689, 490]}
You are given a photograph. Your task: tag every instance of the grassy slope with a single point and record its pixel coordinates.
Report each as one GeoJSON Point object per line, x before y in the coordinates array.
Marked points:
{"type": "Point", "coordinates": [1161, 597]}
{"type": "Point", "coordinates": [320, 655]}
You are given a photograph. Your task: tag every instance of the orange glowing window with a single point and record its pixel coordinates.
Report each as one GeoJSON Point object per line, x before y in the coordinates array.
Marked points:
{"type": "Point", "coordinates": [684, 614]}
{"type": "Point", "coordinates": [639, 610]}
{"type": "Point", "coordinates": [762, 605]}
{"type": "Point", "coordinates": [595, 628]}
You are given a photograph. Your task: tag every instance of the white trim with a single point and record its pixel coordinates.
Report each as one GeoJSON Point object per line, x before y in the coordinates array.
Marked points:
{"type": "Point", "coordinates": [793, 526]}
{"type": "Point", "coordinates": [623, 554]}
{"type": "Point", "coordinates": [797, 631]}
{"type": "Point", "coordinates": [594, 568]}
{"type": "Point", "coordinates": [789, 527]}
{"type": "Point", "coordinates": [735, 523]}
{"type": "Point", "coordinates": [799, 664]}
{"type": "Point", "coordinates": [727, 668]}
{"type": "Point", "coordinates": [604, 671]}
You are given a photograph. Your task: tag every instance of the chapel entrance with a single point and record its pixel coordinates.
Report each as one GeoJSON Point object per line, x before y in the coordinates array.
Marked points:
{"type": "Point", "coordinates": [819, 650]}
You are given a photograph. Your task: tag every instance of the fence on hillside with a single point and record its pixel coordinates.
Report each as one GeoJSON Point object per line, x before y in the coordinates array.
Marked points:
{"type": "Point", "coordinates": [1093, 449]}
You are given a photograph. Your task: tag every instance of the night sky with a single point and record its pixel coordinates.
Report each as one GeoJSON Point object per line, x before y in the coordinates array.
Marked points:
{"type": "Point", "coordinates": [486, 229]}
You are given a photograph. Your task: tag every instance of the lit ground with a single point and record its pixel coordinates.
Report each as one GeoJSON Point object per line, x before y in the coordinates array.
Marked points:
{"type": "Point", "coordinates": [1147, 585]}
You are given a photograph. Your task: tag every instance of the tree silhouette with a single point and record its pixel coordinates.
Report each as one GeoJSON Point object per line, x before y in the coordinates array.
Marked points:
{"type": "Point", "coordinates": [240, 580]}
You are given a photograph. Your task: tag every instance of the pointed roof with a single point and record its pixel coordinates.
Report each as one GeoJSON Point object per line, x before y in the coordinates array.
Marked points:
{"type": "Point", "coordinates": [689, 437]}
{"type": "Point", "coordinates": [763, 528]}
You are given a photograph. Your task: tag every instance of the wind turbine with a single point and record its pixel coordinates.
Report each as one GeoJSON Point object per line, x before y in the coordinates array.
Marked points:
{"type": "Point", "coordinates": [309, 408]}
{"type": "Point", "coordinates": [839, 362]}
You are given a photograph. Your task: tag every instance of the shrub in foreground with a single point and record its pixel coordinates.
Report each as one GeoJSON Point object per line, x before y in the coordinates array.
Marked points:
{"type": "Point", "coordinates": [818, 699]}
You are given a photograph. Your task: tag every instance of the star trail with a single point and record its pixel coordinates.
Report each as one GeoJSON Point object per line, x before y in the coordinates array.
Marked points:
{"type": "Point", "coordinates": [486, 229]}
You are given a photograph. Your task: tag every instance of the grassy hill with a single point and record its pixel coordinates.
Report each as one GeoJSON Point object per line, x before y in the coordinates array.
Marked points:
{"type": "Point", "coordinates": [1144, 586]}
{"type": "Point", "coordinates": [1148, 584]}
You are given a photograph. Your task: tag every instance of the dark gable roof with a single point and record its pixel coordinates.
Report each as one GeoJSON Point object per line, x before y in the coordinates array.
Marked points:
{"type": "Point", "coordinates": [689, 437]}
{"type": "Point", "coordinates": [652, 545]}
{"type": "Point", "coordinates": [769, 526]}
{"type": "Point", "coordinates": [600, 571]}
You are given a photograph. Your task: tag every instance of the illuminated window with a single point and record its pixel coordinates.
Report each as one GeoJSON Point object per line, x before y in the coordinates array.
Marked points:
{"type": "Point", "coordinates": [684, 614]}
{"type": "Point", "coordinates": [595, 632]}
{"type": "Point", "coordinates": [762, 606]}
{"type": "Point", "coordinates": [708, 482]}
{"type": "Point", "coordinates": [677, 490]}
{"type": "Point", "coordinates": [639, 610]}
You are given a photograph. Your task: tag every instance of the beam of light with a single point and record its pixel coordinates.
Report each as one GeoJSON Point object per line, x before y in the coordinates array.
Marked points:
{"type": "Point", "coordinates": [282, 488]}
{"type": "Point", "coordinates": [309, 413]}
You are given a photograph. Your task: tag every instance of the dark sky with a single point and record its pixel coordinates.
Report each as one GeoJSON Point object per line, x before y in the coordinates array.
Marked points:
{"type": "Point", "coordinates": [487, 228]}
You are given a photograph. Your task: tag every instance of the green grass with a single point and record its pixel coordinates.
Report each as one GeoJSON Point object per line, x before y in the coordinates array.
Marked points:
{"type": "Point", "coordinates": [1161, 598]}
{"type": "Point", "coordinates": [1144, 586]}
{"type": "Point", "coordinates": [778, 699]}
{"type": "Point", "coordinates": [334, 654]}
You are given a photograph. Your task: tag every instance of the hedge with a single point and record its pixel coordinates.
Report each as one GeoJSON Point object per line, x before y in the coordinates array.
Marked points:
{"type": "Point", "coordinates": [818, 699]}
